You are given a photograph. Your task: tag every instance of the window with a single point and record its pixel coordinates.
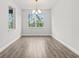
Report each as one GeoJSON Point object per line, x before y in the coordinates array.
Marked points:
{"type": "Point", "coordinates": [35, 20]}
{"type": "Point", "coordinates": [11, 21]}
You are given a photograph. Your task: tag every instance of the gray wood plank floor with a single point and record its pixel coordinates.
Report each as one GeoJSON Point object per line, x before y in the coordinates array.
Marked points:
{"type": "Point", "coordinates": [37, 47]}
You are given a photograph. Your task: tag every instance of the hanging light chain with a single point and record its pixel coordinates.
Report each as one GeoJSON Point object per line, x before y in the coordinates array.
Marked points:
{"type": "Point", "coordinates": [36, 11]}
{"type": "Point", "coordinates": [36, 0]}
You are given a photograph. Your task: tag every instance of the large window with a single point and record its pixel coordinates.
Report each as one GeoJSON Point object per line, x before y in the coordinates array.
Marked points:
{"type": "Point", "coordinates": [35, 20]}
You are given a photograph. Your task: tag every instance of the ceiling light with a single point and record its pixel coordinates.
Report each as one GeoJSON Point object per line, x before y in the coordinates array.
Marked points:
{"type": "Point", "coordinates": [39, 11]}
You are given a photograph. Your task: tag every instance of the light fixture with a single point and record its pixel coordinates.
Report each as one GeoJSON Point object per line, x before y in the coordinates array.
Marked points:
{"type": "Point", "coordinates": [39, 11]}
{"type": "Point", "coordinates": [36, 10]}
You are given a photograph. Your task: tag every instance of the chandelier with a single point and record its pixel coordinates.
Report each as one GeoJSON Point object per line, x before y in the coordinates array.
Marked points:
{"type": "Point", "coordinates": [36, 10]}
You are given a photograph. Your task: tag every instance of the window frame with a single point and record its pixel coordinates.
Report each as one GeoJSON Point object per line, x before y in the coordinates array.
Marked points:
{"type": "Point", "coordinates": [35, 23]}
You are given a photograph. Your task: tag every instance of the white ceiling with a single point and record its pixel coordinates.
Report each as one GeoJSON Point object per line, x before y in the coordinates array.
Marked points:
{"type": "Point", "coordinates": [29, 4]}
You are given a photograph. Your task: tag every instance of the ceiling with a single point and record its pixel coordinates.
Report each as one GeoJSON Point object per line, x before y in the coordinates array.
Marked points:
{"type": "Point", "coordinates": [29, 4]}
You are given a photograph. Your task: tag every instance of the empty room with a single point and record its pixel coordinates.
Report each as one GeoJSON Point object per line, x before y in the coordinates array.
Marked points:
{"type": "Point", "coordinates": [39, 28]}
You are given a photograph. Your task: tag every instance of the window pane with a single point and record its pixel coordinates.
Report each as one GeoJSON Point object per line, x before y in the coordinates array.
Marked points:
{"type": "Point", "coordinates": [35, 20]}
{"type": "Point", "coordinates": [11, 15]}
{"type": "Point", "coordinates": [39, 20]}
{"type": "Point", "coordinates": [31, 20]}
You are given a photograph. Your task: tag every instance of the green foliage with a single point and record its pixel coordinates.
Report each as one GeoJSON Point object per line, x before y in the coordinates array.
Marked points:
{"type": "Point", "coordinates": [39, 23]}
{"type": "Point", "coordinates": [35, 20]}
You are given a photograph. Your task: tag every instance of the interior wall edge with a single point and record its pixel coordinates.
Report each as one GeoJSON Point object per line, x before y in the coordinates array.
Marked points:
{"type": "Point", "coordinates": [36, 34]}
{"type": "Point", "coordinates": [65, 44]}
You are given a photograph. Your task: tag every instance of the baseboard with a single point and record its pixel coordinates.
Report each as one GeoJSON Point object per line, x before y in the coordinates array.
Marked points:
{"type": "Point", "coordinates": [36, 34]}
{"type": "Point", "coordinates": [68, 46]}
{"type": "Point", "coordinates": [3, 48]}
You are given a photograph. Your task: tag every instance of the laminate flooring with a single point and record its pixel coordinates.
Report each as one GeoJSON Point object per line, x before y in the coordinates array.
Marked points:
{"type": "Point", "coordinates": [37, 47]}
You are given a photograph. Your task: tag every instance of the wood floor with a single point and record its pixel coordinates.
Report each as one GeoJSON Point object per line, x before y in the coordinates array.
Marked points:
{"type": "Point", "coordinates": [37, 47]}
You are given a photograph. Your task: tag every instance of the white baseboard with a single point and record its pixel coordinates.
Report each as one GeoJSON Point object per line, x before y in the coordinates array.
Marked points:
{"type": "Point", "coordinates": [3, 48]}
{"type": "Point", "coordinates": [36, 34]}
{"type": "Point", "coordinates": [68, 46]}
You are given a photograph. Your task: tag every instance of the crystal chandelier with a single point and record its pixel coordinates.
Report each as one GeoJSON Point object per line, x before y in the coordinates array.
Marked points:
{"type": "Point", "coordinates": [36, 10]}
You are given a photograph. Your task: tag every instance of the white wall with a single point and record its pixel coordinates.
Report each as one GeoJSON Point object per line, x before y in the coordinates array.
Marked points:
{"type": "Point", "coordinates": [46, 30]}
{"type": "Point", "coordinates": [66, 23]}
{"type": "Point", "coordinates": [5, 36]}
